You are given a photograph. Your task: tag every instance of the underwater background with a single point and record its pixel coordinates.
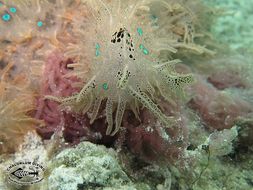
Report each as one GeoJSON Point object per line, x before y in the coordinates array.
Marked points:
{"type": "Point", "coordinates": [126, 95]}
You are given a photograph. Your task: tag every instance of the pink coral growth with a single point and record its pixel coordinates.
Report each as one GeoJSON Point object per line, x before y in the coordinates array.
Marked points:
{"type": "Point", "coordinates": [217, 109]}
{"type": "Point", "coordinates": [151, 141]}
{"type": "Point", "coordinates": [225, 79]}
{"type": "Point", "coordinates": [54, 82]}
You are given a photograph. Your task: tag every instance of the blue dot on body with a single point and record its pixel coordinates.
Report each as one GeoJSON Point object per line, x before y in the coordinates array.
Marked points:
{"type": "Point", "coordinates": [39, 23]}
{"type": "Point", "coordinates": [145, 51]}
{"type": "Point", "coordinates": [140, 31]}
{"type": "Point", "coordinates": [105, 86]}
{"type": "Point", "coordinates": [13, 10]}
{"type": "Point", "coordinates": [97, 50]}
{"type": "Point", "coordinates": [97, 53]}
{"type": "Point", "coordinates": [97, 46]}
{"type": "Point", "coordinates": [6, 17]}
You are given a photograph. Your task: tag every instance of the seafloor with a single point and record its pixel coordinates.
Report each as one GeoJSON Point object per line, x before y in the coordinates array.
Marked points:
{"type": "Point", "coordinates": [209, 147]}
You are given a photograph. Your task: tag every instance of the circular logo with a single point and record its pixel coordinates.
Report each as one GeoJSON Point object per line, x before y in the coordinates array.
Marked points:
{"type": "Point", "coordinates": [25, 173]}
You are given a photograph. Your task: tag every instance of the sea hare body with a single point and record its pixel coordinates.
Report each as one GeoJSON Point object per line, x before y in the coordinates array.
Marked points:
{"type": "Point", "coordinates": [122, 63]}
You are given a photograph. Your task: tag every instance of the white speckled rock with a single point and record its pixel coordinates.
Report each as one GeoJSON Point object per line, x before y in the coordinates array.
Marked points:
{"type": "Point", "coordinates": [87, 166]}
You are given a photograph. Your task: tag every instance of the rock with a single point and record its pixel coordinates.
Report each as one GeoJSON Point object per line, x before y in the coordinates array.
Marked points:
{"type": "Point", "coordinates": [88, 166]}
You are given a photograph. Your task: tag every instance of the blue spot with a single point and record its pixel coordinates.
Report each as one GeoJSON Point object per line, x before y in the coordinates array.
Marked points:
{"type": "Point", "coordinates": [1, 4]}
{"type": "Point", "coordinates": [140, 31]}
{"type": "Point", "coordinates": [6, 17]}
{"type": "Point", "coordinates": [39, 23]}
{"type": "Point", "coordinates": [97, 53]}
{"type": "Point", "coordinates": [97, 50]}
{"type": "Point", "coordinates": [97, 46]}
{"type": "Point", "coordinates": [105, 86]}
{"type": "Point", "coordinates": [143, 49]}
{"type": "Point", "coordinates": [13, 10]}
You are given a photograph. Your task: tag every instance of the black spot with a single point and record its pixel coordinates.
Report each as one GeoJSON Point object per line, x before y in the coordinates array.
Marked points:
{"type": "Point", "coordinates": [113, 40]}
{"type": "Point", "coordinates": [205, 147]}
{"type": "Point", "coordinates": [119, 34]}
{"type": "Point", "coordinates": [176, 81]}
{"type": "Point", "coordinates": [119, 40]}
{"type": "Point", "coordinates": [191, 147]}
{"type": "Point", "coordinates": [131, 56]}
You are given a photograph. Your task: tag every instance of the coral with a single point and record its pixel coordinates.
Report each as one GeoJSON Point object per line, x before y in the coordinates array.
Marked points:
{"type": "Point", "coordinates": [17, 102]}
{"type": "Point", "coordinates": [122, 63]}
{"type": "Point", "coordinates": [230, 72]}
{"type": "Point", "coordinates": [221, 174]}
{"type": "Point", "coordinates": [26, 59]}
{"type": "Point", "coordinates": [223, 79]}
{"type": "Point", "coordinates": [150, 141]}
{"type": "Point", "coordinates": [212, 163]}
{"type": "Point", "coordinates": [219, 110]}
{"type": "Point", "coordinates": [53, 83]}
{"type": "Point", "coordinates": [21, 19]}
{"type": "Point", "coordinates": [15, 105]}
{"type": "Point", "coordinates": [220, 143]}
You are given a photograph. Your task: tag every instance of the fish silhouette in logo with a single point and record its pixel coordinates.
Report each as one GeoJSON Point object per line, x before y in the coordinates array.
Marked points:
{"type": "Point", "coordinates": [20, 173]}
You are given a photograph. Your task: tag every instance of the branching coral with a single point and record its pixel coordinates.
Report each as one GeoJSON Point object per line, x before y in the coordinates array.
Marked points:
{"type": "Point", "coordinates": [120, 56]}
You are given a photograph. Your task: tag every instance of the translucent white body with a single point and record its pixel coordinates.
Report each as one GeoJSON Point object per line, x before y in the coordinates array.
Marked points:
{"type": "Point", "coordinates": [119, 49]}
